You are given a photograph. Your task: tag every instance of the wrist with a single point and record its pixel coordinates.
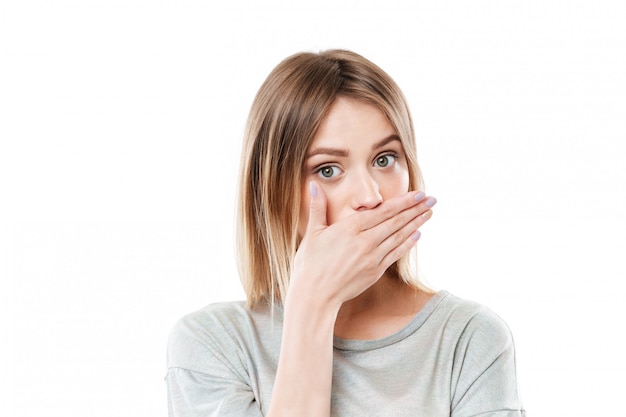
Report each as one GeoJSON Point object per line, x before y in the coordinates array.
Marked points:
{"type": "Point", "coordinates": [307, 301]}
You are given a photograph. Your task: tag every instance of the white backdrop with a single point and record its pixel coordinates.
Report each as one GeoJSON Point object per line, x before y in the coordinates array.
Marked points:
{"type": "Point", "coordinates": [120, 127]}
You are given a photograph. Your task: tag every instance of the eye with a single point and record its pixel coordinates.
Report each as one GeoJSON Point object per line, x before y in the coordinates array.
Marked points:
{"type": "Point", "coordinates": [328, 171]}
{"type": "Point", "coordinates": [383, 161]}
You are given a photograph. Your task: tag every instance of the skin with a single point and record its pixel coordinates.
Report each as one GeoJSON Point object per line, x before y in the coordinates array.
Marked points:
{"type": "Point", "coordinates": [357, 161]}
{"type": "Point", "coordinates": [357, 219]}
{"type": "Point", "coordinates": [342, 161]}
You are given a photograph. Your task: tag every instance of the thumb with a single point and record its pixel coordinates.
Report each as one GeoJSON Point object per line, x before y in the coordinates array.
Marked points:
{"type": "Point", "coordinates": [317, 208]}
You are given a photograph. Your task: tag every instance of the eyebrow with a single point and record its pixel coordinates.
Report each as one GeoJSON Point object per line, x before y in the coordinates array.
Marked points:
{"type": "Point", "coordinates": [385, 141]}
{"type": "Point", "coordinates": [344, 152]}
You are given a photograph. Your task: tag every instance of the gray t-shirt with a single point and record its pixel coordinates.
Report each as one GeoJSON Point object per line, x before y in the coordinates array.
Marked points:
{"type": "Point", "coordinates": [455, 358]}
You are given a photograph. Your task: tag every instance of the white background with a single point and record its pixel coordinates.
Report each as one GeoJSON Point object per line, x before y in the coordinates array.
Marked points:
{"type": "Point", "coordinates": [120, 127]}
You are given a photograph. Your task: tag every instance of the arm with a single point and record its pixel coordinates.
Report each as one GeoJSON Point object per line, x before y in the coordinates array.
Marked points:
{"type": "Point", "coordinates": [333, 264]}
{"type": "Point", "coordinates": [195, 394]}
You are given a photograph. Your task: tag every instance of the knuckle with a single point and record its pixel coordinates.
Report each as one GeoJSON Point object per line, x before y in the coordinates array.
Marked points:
{"type": "Point", "coordinates": [352, 228]}
{"type": "Point", "coordinates": [399, 239]}
{"type": "Point", "coordinates": [387, 211]}
{"type": "Point", "coordinates": [369, 245]}
{"type": "Point", "coordinates": [372, 264]}
{"type": "Point", "coordinates": [398, 222]}
{"type": "Point", "coordinates": [396, 241]}
{"type": "Point", "coordinates": [363, 245]}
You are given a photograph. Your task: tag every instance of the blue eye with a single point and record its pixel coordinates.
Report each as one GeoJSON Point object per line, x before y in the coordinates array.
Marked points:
{"type": "Point", "coordinates": [328, 171]}
{"type": "Point", "coordinates": [384, 160]}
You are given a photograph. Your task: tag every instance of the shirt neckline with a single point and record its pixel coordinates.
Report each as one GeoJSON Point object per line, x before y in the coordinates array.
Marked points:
{"type": "Point", "coordinates": [418, 320]}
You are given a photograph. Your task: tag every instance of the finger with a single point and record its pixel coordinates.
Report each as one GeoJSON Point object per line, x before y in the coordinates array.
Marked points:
{"type": "Point", "coordinates": [389, 209]}
{"type": "Point", "coordinates": [389, 227]}
{"type": "Point", "coordinates": [317, 208]}
{"type": "Point", "coordinates": [400, 243]}
{"type": "Point", "coordinates": [400, 251]}
{"type": "Point", "coordinates": [411, 229]}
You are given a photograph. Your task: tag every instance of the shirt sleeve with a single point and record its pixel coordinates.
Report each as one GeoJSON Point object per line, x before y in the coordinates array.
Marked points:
{"type": "Point", "coordinates": [204, 381]}
{"type": "Point", "coordinates": [194, 394]}
{"type": "Point", "coordinates": [484, 370]}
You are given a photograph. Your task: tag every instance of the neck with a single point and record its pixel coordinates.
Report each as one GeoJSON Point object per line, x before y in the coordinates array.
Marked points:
{"type": "Point", "coordinates": [381, 310]}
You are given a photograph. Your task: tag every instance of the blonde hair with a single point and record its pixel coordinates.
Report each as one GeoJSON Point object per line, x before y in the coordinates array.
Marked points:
{"type": "Point", "coordinates": [283, 120]}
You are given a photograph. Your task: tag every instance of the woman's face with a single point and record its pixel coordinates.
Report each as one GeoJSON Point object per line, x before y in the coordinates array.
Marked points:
{"type": "Point", "coordinates": [356, 158]}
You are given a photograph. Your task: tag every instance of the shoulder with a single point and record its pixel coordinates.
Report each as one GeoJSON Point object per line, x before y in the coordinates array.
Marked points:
{"type": "Point", "coordinates": [213, 333]}
{"type": "Point", "coordinates": [482, 354]}
{"type": "Point", "coordinates": [212, 317]}
{"type": "Point", "coordinates": [471, 318]}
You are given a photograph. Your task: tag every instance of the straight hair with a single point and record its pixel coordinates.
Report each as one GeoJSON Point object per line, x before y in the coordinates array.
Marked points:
{"type": "Point", "coordinates": [284, 118]}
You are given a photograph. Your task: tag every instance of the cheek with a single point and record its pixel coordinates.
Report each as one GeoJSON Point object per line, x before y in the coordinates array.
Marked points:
{"type": "Point", "coordinates": [402, 182]}
{"type": "Point", "coordinates": [402, 185]}
{"type": "Point", "coordinates": [394, 185]}
{"type": "Point", "coordinates": [337, 198]}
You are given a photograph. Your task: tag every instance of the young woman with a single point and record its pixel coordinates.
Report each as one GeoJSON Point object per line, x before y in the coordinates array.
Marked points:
{"type": "Point", "coordinates": [336, 322]}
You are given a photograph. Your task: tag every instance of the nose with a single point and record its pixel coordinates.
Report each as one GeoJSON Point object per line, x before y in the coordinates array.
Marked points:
{"type": "Point", "coordinates": [365, 192]}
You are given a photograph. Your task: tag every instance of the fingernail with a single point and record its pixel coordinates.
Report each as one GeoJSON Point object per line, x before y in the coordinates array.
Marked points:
{"type": "Point", "coordinates": [430, 201]}
{"type": "Point", "coordinates": [312, 189]}
{"type": "Point", "coordinates": [419, 196]}
{"type": "Point", "coordinates": [416, 235]}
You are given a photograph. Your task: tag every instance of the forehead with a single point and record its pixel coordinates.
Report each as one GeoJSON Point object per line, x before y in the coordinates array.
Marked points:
{"type": "Point", "coordinates": [349, 122]}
